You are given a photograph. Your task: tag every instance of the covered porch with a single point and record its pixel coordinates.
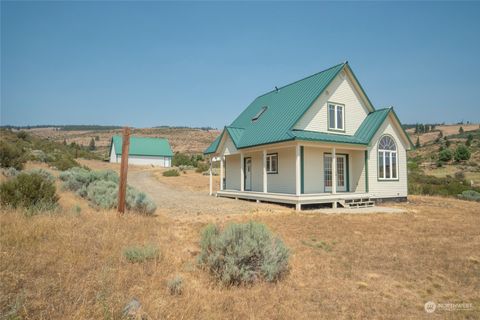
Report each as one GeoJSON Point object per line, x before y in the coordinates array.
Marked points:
{"type": "Point", "coordinates": [296, 173]}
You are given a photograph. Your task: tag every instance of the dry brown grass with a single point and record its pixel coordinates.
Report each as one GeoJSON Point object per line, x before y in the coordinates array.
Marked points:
{"type": "Point", "coordinates": [70, 266]}
{"type": "Point", "coordinates": [182, 140]}
{"type": "Point", "coordinates": [447, 130]}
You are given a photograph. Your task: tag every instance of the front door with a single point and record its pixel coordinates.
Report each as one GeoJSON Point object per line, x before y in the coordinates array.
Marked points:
{"type": "Point", "coordinates": [341, 172]}
{"type": "Point", "coordinates": [248, 174]}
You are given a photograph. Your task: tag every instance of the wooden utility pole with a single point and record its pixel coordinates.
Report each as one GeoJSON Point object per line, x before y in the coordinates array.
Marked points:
{"type": "Point", "coordinates": [122, 188]}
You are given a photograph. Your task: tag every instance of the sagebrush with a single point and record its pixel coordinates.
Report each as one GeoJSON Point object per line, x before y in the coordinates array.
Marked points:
{"type": "Point", "coordinates": [136, 254]}
{"type": "Point", "coordinates": [32, 191]}
{"type": "Point", "coordinates": [101, 189]}
{"type": "Point", "coordinates": [243, 253]}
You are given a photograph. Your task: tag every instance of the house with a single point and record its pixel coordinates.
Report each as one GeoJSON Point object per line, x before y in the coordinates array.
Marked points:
{"type": "Point", "coordinates": [318, 140]}
{"type": "Point", "coordinates": [143, 151]}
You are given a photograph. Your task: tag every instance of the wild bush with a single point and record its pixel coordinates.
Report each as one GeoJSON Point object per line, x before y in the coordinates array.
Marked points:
{"type": "Point", "coordinates": [29, 190]}
{"type": "Point", "coordinates": [10, 172]}
{"type": "Point", "coordinates": [202, 167]}
{"type": "Point", "coordinates": [44, 173]}
{"type": "Point", "coordinates": [462, 153]}
{"type": "Point", "coordinates": [101, 188]}
{"type": "Point", "coordinates": [470, 195]}
{"type": "Point", "coordinates": [243, 253]}
{"type": "Point", "coordinates": [102, 193]}
{"type": "Point", "coordinates": [137, 254]}
{"type": "Point", "coordinates": [171, 173]}
{"type": "Point", "coordinates": [419, 183]}
{"type": "Point", "coordinates": [11, 156]}
{"type": "Point", "coordinates": [175, 285]}
{"type": "Point", "coordinates": [445, 155]}
{"type": "Point", "coordinates": [64, 162]}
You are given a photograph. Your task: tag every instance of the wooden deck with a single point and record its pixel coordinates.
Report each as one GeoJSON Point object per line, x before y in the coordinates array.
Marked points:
{"type": "Point", "coordinates": [342, 198]}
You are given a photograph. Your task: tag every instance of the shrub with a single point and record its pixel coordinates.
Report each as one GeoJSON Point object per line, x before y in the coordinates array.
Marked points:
{"type": "Point", "coordinates": [181, 159]}
{"type": "Point", "coordinates": [175, 285]}
{"type": "Point", "coordinates": [101, 188]}
{"type": "Point", "coordinates": [11, 156]}
{"type": "Point", "coordinates": [103, 194]}
{"type": "Point", "coordinates": [39, 155]}
{"type": "Point", "coordinates": [470, 195]}
{"type": "Point", "coordinates": [11, 172]}
{"type": "Point", "coordinates": [64, 162]}
{"type": "Point", "coordinates": [22, 135]}
{"type": "Point", "coordinates": [136, 254]}
{"type": "Point", "coordinates": [140, 202]}
{"type": "Point", "coordinates": [29, 190]}
{"type": "Point", "coordinates": [243, 253]}
{"type": "Point", "coordinates": [459, 175]}
{"type": "Point", "coordinates": [462, 153]}
{"type": "Point", "coordinates": [171, 173]}
{"type": "Point", "coordinates": [202, 167]}
{"type": "Point", "coordinates": [445, 155]}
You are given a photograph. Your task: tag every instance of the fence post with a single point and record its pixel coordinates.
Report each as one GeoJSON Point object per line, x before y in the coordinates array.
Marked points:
{"type": "Point", "coordinates": [122, 188]}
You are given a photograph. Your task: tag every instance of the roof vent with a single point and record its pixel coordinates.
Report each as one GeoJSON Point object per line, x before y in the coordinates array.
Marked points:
{"type": "Point", "coordinates": [259, 113]}
{"type": "Point", "coordinates": [276, 89]}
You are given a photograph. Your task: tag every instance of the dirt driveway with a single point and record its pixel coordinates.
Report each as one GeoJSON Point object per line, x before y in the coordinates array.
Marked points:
{"type": "Point", "coordinates": [174, 201]}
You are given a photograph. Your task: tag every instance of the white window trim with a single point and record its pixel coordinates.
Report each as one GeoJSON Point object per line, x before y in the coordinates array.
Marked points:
{"type": "Point", "coordinates": [335, 114]}
{"type": "Point", "coordinates": [269, 162]}
{"type": "Point", "coordinates": [382, 161]}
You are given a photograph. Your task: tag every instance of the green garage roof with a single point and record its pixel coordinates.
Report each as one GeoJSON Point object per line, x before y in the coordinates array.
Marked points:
{"type": "Point", "coordinates": [281, 109]}
{"type": "Point", "coordinates": [143, 146]}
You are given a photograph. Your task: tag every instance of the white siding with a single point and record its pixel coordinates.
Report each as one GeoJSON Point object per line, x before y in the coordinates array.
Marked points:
{"type": "Point", "coordinates": [284, 180]}
{"type": "Point", "coordinates": [113, 155]}
{"type": "Point", "coordinates": [342, 91]}
{"type": "Point", "coordinates": [232, 172]}
{"type": "Point", "coordinates": [314, 170]}
{"type": "Point", "coordinates": [227, 147]}
{"type": "Point", "coordinates": [385, 189]}
{"type": "Point", "coordinates": [141, 160]}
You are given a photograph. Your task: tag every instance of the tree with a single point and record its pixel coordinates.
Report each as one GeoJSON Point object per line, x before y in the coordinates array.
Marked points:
{"type": "Point", "coordinates": [460, 130]}
{"type": "Point", "coordinates": [91, 146]}
{"type": "Point", "coordinates": [461, 153]}
{"type": "Point", "coordinates": [97, 138]}
{"type": "Point", "coordinates": [417, 144]}
{"type": "Point", "coordinates": [447, 143]}
{"type": "Point", "coordinates": [181, 159]}
{"type": "Point", "coordinates": [469, 140]}
{"type": "Point", "coordinates": [440, 134]}
{"type": "Point", "coordinates": [64, 142]}
{"type": "Point", "coordinates": [445, 155]}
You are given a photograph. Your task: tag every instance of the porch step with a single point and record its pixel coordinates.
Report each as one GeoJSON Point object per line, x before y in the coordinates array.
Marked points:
{"type": "Point", "coordinates": [359, 203]}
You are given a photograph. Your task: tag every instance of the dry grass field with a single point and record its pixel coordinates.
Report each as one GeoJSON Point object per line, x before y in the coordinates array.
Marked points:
{"type": "Point", "coordinates": [181, 140]}
{"type": "Point", "coordinates": [446, 131]}
{"type": "Point", "coordinates": [69, 264]}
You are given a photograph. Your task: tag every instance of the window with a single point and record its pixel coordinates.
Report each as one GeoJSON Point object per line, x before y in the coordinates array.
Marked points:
{"type": "Point", "coordinates": [272, 163]}
{"type": "Point", "coordinates": [387, 159]}
{"type": "Point", "coordinates": [259, 113]}
{"type": "Point", "coordinates": [336, 116]}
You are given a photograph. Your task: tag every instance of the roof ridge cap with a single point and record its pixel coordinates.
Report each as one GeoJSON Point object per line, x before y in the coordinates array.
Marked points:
{"type": "Point", "coordinates": [304, 78]}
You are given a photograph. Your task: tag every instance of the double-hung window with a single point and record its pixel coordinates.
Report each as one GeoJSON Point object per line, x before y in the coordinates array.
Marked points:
{"type": "Point", "coordinates": [336, 116]}
{"type": "Point", "coordinates": [387, 159]}
{"type": "Point", "coordinates": [272, 163]}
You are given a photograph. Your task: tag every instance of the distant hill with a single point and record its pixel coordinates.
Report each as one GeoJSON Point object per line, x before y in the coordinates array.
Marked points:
{"type": "Point", "coordinates": [182, 139]}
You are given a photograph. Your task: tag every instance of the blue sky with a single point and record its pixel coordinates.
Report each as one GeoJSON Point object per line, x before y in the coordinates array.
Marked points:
{"type": "Point", "coordinates": [201, 63]}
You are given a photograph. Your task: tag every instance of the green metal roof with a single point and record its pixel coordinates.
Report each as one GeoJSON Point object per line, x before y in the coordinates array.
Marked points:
{"type": "Point", "coordinates": [285, 107]}
{"type": "Point", "coordinates": [143, 146]}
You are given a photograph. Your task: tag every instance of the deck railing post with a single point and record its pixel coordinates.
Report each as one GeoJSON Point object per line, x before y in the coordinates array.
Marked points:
{"type": "Point", "coordinates": [265, 171]}
{"type": "Point", "coordinates": [334, 171]}
{"type": "Point", "coordinates": [221, 172]}
{"type": "Point", "coordinates": [242, 175]}
{"type": "Point", "coordinates": [211, 177]}
{"type": "Point", "coordinates": [297, 170]}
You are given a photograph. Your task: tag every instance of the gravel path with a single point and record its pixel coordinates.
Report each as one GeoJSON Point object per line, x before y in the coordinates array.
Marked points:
{"type": "Point", "coordinates": [182, 202]}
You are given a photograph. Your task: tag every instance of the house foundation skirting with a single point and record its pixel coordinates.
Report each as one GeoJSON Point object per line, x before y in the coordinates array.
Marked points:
{"type": "Point", "coordinates": [297, 200]}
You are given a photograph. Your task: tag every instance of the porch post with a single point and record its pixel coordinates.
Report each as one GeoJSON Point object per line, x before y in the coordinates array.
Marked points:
{"type": "Point", "coordinates": [265, 171]}
{"type": "Point", "coordinates": [297, 170]}
{"type": "Point", "coordinates": [211, 177]}
{"type": "Point", "coordinates": [334, 171]}
{"type": "Point", "coordinates": [221, 172]}
{"type": "Point", "coordinates": [242, 175]}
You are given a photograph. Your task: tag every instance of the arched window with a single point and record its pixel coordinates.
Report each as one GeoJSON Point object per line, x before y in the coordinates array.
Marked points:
{"type": "Point", "coordinates": [387, 159]}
